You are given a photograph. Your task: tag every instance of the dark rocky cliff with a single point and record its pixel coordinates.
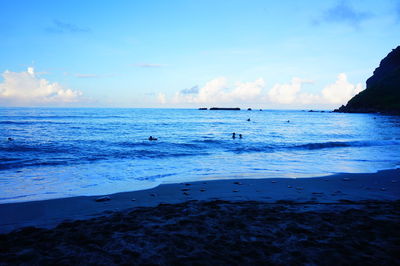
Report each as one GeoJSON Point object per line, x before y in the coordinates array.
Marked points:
{"type": "Point", "coordinates": [383, 89]}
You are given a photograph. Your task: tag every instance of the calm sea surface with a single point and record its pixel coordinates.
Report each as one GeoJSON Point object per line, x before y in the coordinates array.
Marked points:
{"type": "Point", "coordinates": [68, 152]}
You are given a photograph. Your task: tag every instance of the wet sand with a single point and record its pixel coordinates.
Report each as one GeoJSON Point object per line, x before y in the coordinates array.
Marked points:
{"type": "Point", "coordinates": [341, 219]}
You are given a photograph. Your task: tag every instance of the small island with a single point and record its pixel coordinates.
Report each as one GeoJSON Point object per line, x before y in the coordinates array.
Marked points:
{"type": "Point", "coordinates": [225, 108]}
{"type": "Point", "coordinates": [382, 94]}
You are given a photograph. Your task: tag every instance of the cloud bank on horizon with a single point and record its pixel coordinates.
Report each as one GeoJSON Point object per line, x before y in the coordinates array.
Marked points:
{"type": "Point", "coordinates": [26, 89]}
{"type": "Point", "coordinates": [218, 92]}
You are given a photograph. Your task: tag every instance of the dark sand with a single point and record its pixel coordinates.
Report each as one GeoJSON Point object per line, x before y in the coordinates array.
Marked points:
{"type": "Point", "coordinates": [342, 219]}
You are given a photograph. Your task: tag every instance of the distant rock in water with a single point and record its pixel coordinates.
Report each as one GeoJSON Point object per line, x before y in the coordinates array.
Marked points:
{"type": "Point", "coordinates": [222, 108]}
{"type": "Point", "coordinates": [383, 89]}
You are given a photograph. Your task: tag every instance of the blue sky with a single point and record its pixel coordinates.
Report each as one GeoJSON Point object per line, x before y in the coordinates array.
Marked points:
{"type": "Point", "coordinates": [268, 54]}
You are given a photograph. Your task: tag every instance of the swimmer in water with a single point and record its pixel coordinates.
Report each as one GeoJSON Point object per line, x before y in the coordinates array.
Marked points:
{"type": "Point", "coordinates": [151, 138]}
{"type": "Point", "coordinates": [234, 135]}
{"type": "Point", "coordinates": [240, 136]}
{"type": "Point", "coordinates": [248, 119]}
{"type": "Point", "coordinates": [10, 139]}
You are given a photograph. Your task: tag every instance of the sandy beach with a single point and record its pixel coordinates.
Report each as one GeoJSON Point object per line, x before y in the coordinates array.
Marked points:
{"type": "Point", "coordinates": [340, 219]}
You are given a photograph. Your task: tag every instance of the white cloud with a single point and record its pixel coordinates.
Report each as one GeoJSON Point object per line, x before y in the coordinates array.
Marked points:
{"type": "Point", "coordinates": [161, 98]}
{"type": "Point", "coordinates": [213, 91]}
{"type": "Point", "coordinates": [217, 91]}
{"type": "Point", "coordinates": [25, 88]}
{"type": "Point", "coordinates": [341, 91]}
{"type": "Point", "coordinates": [286, 93]}
{"type": "Point", "coordinates": [82, 75]}
{"type": "Point", "coordinates": [308, 98]}
{"type": "Point", "coordinates": [248, 90]}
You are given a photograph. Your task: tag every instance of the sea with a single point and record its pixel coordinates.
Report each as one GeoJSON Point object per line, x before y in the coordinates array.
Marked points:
{"type": "Point", "coordinates": [66, 152]}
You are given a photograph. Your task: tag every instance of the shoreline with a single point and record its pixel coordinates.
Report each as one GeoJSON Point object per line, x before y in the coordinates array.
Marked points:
{"type": "Point", "coordinates": [380, 186]}
{"type": "Point", "coordinates": [336, 220]}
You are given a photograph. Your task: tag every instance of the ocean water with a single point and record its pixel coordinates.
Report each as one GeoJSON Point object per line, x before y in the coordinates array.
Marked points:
{"type": "Point", "coordinates": [70, 152]}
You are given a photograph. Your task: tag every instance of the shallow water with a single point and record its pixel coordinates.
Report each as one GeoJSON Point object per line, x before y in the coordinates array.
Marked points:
{"type": "Point", "coordinates": [68, 152]}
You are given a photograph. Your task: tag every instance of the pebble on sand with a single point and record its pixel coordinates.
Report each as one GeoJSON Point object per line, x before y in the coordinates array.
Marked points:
{"type": "Point", "coordinates": [101, 199]}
